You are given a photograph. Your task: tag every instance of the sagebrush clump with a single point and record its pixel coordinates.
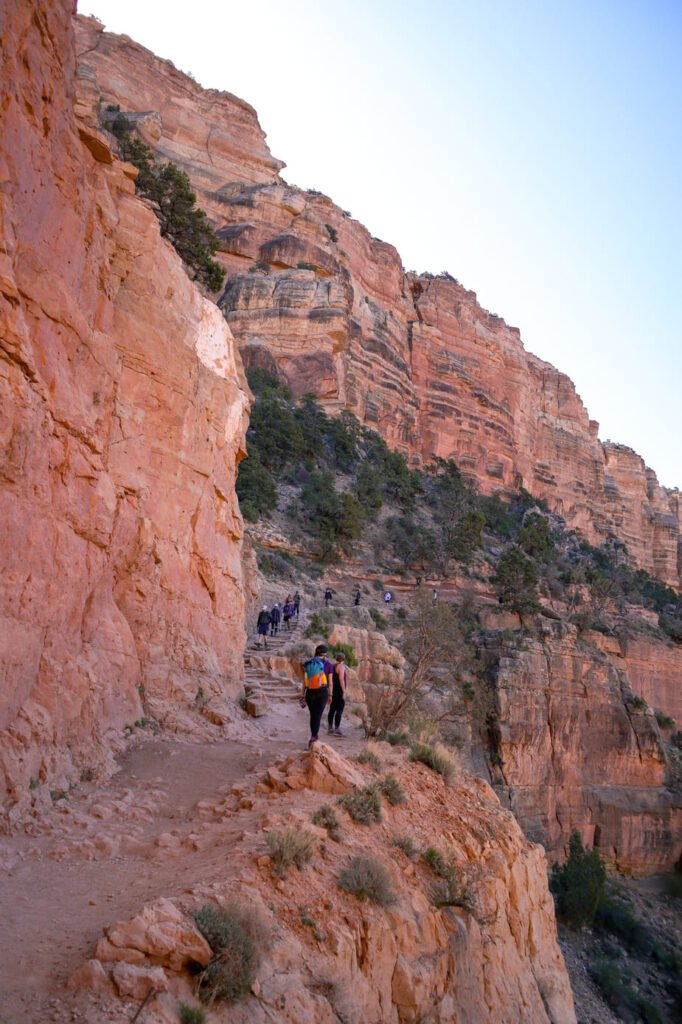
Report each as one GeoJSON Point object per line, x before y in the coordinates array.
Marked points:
{"type": "Point", "coordinates": [326, 817]}
{"type": "Point", "coordinates": [290, 846]}
{"type": "Point", "coordinates": [433, 758]}
{"type": "Point", "coordinates": [392, 790]}
{"type": "Point", "coordinates": [363, 805]}
{"type": "Point", "coordinates": [238, 937]}
{"type": "Point", "coordinates": [367, 879]}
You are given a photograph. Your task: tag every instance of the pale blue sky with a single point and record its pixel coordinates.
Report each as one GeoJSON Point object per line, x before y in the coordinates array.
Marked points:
{"type": "Point", "coordinates": [532, 149]}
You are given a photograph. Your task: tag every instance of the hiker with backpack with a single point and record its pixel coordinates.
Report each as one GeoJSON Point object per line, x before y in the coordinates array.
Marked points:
{"type": "Point", "coordinates": [287, 612]}
{"type": "Point", "coordinates": [297, 603]}
{"type": "Point", "coordinates": [317, 678]}
{"type": "Point", "coordinates": [328, 597]}
{"type": "Point", "coordinates": [263, 624]}
{"type": "Point", "coordinates": [339, 682]}
{"type": "Point", "coordinates": [275, 618]}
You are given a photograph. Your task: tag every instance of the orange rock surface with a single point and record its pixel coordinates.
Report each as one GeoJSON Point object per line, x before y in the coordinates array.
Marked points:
{"type": "Point", "coordinates": [414, 356]}
{"type": "Point", "coordinates": [577, 752]}
{"type": "Point", "coordinates": [493, 957]}
{"type": "Point", "coordinates": [122, 420]}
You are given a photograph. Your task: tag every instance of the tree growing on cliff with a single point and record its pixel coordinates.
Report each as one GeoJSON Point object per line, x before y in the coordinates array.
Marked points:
{"type": "Point", "coordinates": [439, 662]}
{"type": "Point", "coordinates": [174, 202]}
{"type": "Point", "coordinates": [516, 579]}
{"type": "Point", "coordinates": [578, 885]}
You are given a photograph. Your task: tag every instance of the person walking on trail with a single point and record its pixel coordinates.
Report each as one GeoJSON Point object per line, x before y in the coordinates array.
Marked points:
{"type": "Point", "coordinates": [317, 679]}
{"type": "Point", "coordinates": [263, 624]}
{"type": "Point", "coordinates": [297, 603]}
{"type": "Point", "coordinates": [327, 597]}
{"type": "Point", "coordinates": [275, 618]}
{"type": "Point", "coordinates": [339, 682]}
{"type": "Point", "coordinates": [356, 602]}
{"type": "Point", "coordinates": [287, 612]}
{"type": "Point", "coordinates": [388, 597]}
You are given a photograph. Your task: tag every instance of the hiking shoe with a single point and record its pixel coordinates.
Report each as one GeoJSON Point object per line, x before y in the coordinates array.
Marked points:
{"type": "Point", "coordinates": [337, 732]}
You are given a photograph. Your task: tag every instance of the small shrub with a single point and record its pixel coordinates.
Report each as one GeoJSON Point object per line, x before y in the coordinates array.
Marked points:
{"type": "Point", "coordinates": [325, 817]}
{"type": "Point", "coordinates": [363, 805]}
{"type": "Point", "coordinates": [433, 758]}
{"type": "Point", "coordinates": [406, 844]}
{"type": "Point", "coordinates": [636, 702]}
{"type": "Point", "coordinates": [377, 618]}
{"type": "Point", "coordinates": [316, 627]}
{"type": "Point", "coordinates": [261, 265]}
{"type": "Point", "coordinates": [306, 266]}
{"type": "Point", "coordinates": [348, 653]}
{"type": "Point", "coordinates": [450, 892]}
{"type": "Point", "coordinates": [290, 846]}
{"type": "Point", "coordinates": [370, 758]}
{"type": "Point", "coordinates": [664, 721]}
{"type": "Point", "coordinates": [191, 1014]}
{"type": "Point", "coordinates": [673, 886]}
{"type": "Point", "coordinates": [436, 861]}
{"type": "Point", "coordinates": [621, 997]}
{"type": "Point", "coordinates": [238, 937]}
{"type": "Point", "coordinates": [392, 790]}
{"type": "Point", "coordinates": [33, 783]}
{"type": "Point", "coordinates": [398, 739]}
{"type": "Point", "coordinates": [367, 879]}
{"type": "Point", "coordinates": [578, 884]}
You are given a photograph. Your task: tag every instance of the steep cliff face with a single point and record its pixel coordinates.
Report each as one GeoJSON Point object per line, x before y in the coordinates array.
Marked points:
{"type": "Point", "coordinates": [414, 356]}
{"type": "Point", "coordinates": [123, 416]}
{"type": "Point", "coordinates": [577, 752]}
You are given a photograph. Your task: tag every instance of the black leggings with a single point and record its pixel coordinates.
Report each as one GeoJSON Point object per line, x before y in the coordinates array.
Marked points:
{"type": "Point", "coordinates": [336, 707]}
{"type": "Point", "coordinates": [317, 702]}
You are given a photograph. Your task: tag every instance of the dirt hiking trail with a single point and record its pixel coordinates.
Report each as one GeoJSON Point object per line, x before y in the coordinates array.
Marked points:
{"type": "Point", "coordinates": [162, 825]}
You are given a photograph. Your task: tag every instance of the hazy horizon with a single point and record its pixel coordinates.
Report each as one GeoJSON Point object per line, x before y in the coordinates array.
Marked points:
{"type": "Point", "coordinates": [531, 152]}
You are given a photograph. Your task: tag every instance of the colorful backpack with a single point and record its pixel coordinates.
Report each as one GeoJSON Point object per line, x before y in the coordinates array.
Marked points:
{"type": "Point", "coordinates": [314, 673]}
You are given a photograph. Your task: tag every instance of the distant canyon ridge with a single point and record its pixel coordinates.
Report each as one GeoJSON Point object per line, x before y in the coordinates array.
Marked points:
{"type": "Point", "coordinates": [333, 311]}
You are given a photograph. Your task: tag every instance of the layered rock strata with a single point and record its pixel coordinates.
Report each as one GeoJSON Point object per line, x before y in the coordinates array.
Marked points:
{"type": "Point", "coordinates": [335, 313]}
{"type": "Point", "coordinates": [123, 417]}
{"type": "Point", "coordinates": [577, 751]}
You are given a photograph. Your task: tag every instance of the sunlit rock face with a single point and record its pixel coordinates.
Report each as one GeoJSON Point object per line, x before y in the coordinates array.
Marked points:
{"type": "Point", "coordinates": [414, 356]}
{"type": "Point", "coordinates": [123, 417]}
{"type": "Point", "coordinates": [578, 752]}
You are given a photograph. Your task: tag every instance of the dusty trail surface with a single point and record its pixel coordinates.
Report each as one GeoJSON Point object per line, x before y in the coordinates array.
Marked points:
{"type": "Point", "coordinates": [163, 825]}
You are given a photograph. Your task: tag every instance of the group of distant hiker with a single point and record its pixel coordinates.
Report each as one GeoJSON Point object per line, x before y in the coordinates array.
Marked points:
{"type": "Point", "coordinates": [269, 619]}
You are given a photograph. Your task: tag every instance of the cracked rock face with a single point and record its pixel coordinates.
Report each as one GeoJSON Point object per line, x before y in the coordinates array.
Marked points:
{"type": "Point", "coordinates": [577, 752]}
{"type": "Point", "coordinates": [122, 421]}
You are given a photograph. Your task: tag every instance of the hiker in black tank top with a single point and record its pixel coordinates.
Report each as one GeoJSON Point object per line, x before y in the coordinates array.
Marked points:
{"type": "Point", "coordinates": [338, 696]}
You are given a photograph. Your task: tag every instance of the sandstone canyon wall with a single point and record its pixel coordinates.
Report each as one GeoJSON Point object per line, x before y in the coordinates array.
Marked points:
{"type": "Point", "coordinates": [576, 751]}
{"type": "Point", "coordinates": [122, 419]}
{"type": "Point", "coordinates": [415, 356]}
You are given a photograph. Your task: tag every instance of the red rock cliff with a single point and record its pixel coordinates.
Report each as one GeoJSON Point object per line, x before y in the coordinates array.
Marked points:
{"type": "Point", "coordinates": [415, 356]}
{"type": "Point", "coordinates": [122, 420]}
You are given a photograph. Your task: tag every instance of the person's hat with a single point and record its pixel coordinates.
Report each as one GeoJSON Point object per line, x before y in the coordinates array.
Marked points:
{"type": "Point", "coordinates": [341, 657]}
{"type": "Point", "coordinates": [265, 607]}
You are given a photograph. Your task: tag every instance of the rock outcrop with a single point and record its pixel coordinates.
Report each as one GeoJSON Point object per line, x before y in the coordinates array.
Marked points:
{"type": "Point", "coordinates": [414, 356]}
{"type": "Point", "coordinates": [123, 417]}
{"type": "Point", "coordinates": [577, 750]}
{"type": "Point", "coordinates": [493, 956]}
